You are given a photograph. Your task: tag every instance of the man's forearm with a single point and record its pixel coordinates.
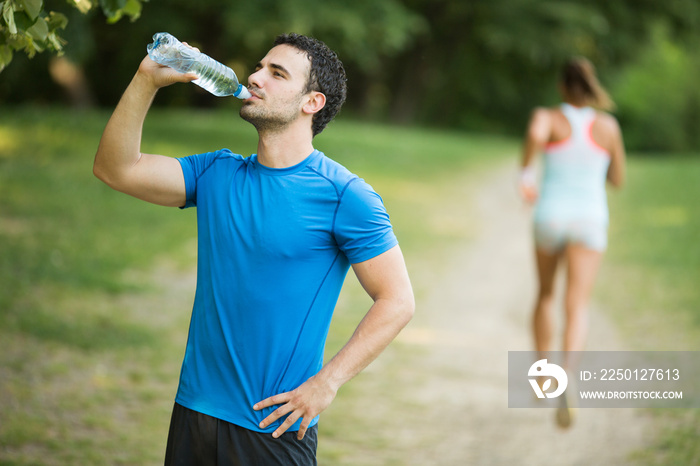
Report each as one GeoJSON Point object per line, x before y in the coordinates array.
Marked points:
{"type": "Point", "coordinates": [377, 329]}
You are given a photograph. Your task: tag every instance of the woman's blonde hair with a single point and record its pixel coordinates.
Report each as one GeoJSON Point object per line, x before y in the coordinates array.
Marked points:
{"type": "Point", "coordinates": [581, 84]}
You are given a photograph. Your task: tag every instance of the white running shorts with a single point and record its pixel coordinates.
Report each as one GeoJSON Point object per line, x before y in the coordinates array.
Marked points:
{"type": "Point", "coordinates": [554, 236]}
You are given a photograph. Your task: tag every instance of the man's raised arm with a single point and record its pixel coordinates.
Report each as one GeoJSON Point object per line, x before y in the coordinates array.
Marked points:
{"type": "Point", "coordinates": [119, 161]}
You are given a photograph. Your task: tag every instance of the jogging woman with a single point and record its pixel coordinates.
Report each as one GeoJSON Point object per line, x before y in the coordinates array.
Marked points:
{"type": "Point", "coordinates": [582, 148]}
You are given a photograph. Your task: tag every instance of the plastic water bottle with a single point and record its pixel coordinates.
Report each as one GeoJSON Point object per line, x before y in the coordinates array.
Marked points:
{"type": "Point", "coordinates": [213, 76]}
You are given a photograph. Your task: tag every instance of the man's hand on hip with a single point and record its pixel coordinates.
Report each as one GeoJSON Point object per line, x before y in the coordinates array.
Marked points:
{"type": "Point", "coordinates": [305, 402]}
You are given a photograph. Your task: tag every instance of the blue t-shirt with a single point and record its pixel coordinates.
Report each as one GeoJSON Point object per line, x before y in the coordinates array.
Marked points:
{"type": "Point", "coordinates": [274, 247]}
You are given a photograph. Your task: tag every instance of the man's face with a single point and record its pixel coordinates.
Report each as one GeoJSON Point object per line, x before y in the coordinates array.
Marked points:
{"type": "Point", "coordinates": [278, 88]}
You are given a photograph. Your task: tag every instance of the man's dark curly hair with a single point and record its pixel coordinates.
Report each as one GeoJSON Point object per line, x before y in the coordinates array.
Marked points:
{"type": "Point", "coordinates": [327, 76]}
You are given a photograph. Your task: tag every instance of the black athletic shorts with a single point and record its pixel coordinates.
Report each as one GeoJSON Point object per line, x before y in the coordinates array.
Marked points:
{"type": "Point", "coordinates": [200, 440]}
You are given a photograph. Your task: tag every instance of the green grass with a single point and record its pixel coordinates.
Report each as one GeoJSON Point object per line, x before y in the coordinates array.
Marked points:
{"type": "Point", "coordinates": [649, 281]}
{"type": "Point", "coordinates": [93, 329]}
{"type": "Point", "coordinates": [655, 226]}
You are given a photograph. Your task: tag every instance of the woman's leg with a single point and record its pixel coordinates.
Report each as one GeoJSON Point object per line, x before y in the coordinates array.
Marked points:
{"type": "Point", "coordinates": [543, 319]}
{"type": "Point", "coordinates": [582, 269]}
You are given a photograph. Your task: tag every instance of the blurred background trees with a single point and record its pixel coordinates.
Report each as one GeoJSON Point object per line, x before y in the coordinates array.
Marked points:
{"type": "Point", "coordinates": [478, 65]}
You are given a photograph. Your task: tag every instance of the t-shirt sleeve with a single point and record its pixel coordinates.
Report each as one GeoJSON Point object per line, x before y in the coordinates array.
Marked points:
{"type": "Point", "coordinates": [362, 227]}
{"type": "Point", "coordinates": [193, 167]}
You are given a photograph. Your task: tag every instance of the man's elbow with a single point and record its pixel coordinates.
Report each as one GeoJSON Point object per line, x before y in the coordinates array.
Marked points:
{"type": "Point", "coordinates": [98, 168]}
{"type": "Point", "coordinates": [406, 309]}
{"type": "Point", "coordinates": [98, 172]}
{"type": "Point", "coordinates": [104, 176]}
{"type": "Point", "coordinates": [104, 173]}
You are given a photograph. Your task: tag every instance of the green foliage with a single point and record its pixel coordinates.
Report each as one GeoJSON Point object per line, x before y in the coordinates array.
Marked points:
{"type": "Point", "coordinates": [492, 61]}
{"type": "Point", "coordinates": [658, 96]}
{"type": "Point", "coordinates": [26, 26]}
{"type": "Point", "coordinates": [474, 65]}
{"type": "Point", "coordinates": [365, 31]}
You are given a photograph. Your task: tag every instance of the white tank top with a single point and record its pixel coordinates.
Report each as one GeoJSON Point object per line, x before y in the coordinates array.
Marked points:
{"type": "Point", "coordinates": [575, 171]}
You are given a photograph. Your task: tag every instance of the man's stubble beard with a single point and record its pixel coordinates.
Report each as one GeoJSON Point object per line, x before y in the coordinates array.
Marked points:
{"type": "Point", "coordinates": [265, 120]}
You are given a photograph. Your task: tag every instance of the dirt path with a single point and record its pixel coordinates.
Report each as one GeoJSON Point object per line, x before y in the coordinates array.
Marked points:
{"type": "Point", "coordinates": [465, 327]}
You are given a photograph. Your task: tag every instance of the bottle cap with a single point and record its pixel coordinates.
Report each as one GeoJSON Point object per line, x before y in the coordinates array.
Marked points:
{"type": "Point", "coordinates": [242, 92]}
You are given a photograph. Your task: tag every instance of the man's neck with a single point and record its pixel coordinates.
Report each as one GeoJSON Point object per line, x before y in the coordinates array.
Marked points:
{"type": "Point", "coordinates": [284, 149]}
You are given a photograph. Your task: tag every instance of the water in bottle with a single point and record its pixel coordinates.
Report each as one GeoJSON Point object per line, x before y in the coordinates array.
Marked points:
{"type": "Point", "coordinates": [213, 76]}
